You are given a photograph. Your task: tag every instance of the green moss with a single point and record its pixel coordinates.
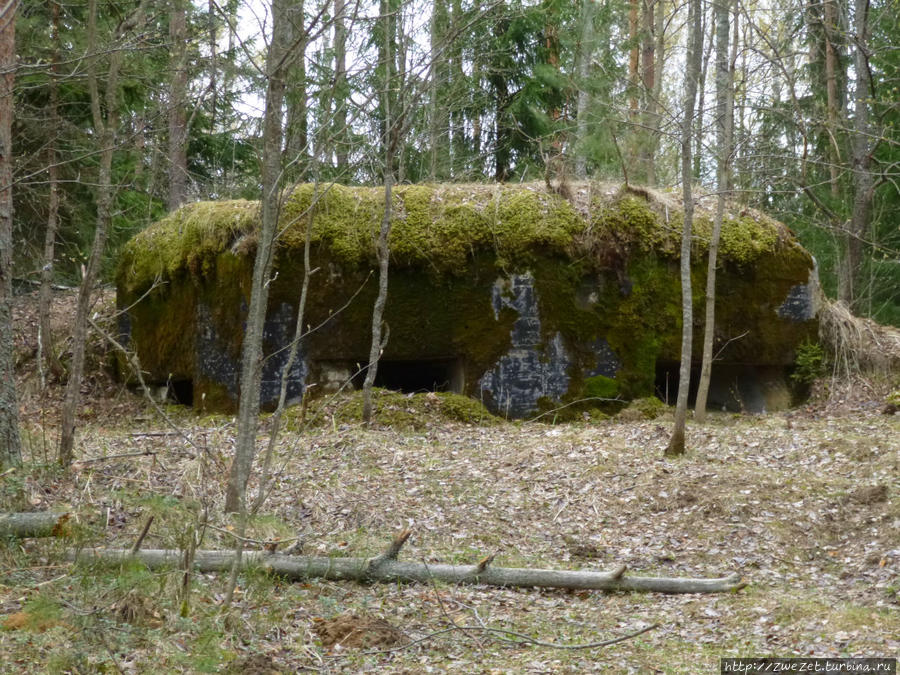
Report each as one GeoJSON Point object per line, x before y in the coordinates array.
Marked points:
{"type": "Point", "coordinates": [396, 410]}
{"type": "Point", "coordinates": [162, 331]}
{"type": "Point", "coordinates": [435, 227]}
{"type": "Point", "coordinates": [647, 408]}
{"type": "Point", "coordinates": [188, 240]}
{"type": "Point", "coordinates": [600, 386]}
{"type": "Point", "coordinates": [608, 272]}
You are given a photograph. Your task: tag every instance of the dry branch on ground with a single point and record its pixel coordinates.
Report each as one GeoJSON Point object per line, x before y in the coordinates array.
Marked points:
{"type": "Point", "coordinates": [386, 568]}
{"type": "Point", "coordinates": [42, 524]}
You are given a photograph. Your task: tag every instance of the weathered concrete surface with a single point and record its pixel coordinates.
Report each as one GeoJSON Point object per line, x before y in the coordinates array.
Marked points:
{"type": "Point", "coordinates": [508, 294]}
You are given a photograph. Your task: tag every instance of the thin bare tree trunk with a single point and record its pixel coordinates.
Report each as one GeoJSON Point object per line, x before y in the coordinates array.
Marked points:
{"type": "Point", "coordinates": [439, 112]}
{"type": "Point", "coordinates": [382, 248]}
{"type": "Point", "coordinates": [724, 115]}
{"type": "Point", "coordinates": [831, 93]}
{"type": "Point", "coordinates": [585, 51]}
{"type": "Point", "coordinates": [694, 55]}
{"type": "Point", "coordinates": [863, 179]}
{"type": "Point", "coordinates": [251, 357]}
{"type": "Point", "coordinates": [47, 359]}
{"type": "Point", "coordinates": [654, 120]}
{"type": "Point", "coordinates": [177, 105]}
{"type": "Point", "coordinates": [648, 82]}
{"type": "Point", "coordinates": [106, 126]}
{"type": "Point", "coordinates": [700, 103]}
{"type": "Point", "coordinates": [297, 132]}
{"type": "Point", "coordinates": [10, 440]}
{"type": "Point", "coordinates": [342, 92]}
{"type": "Point", "coordinates": [295, 347]}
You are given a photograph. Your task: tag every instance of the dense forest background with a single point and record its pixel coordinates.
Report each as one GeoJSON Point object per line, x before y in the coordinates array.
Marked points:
{"type": "Point", "coordinates": [124, 110]}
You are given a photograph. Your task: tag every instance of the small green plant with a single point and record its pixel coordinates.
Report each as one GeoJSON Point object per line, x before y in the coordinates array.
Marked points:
{"type": "Point", "coordinates": [809, 364]}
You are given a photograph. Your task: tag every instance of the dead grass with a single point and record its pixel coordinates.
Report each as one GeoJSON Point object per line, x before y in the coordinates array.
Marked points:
{"type": "Point", "coordinates": [805, 505]}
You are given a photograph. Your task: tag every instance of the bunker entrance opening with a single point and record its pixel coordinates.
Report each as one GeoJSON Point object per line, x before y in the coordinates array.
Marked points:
{"type": "Point", "coordinates": [411, 377]}
{"type": "Point", "coordinates": [732, 388]}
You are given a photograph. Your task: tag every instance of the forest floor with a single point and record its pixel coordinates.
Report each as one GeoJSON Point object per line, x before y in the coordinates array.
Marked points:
{"type": "Point", "coordinates": [804, 504]}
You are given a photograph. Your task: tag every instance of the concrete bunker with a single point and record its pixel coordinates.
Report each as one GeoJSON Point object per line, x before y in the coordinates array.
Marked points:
{"type": "Point", "coordinates": [508, 294]}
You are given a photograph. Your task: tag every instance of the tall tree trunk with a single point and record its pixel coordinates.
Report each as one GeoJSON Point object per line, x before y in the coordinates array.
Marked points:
{"type": "Point", "coordinates": [831, 94]}
{"type": "Point", "coordinates": [633, 142]}
{"type": "Point", "coordinates": [724, 105]}
{"type": "Point", "coordinates": [648, 88]}
{"type": "Point", "coordinates": [458, 94]}
{"type": "Point", "coordinates": [700, 104]}
{"type": "Point", "coordinates": [47, 359]}
{"type": "Point", "coordinates": [585, 53]}
{"type": "Point", "coordinates": [342, 90]}
{"type": "Point", "coordinates": [105, 116]}
{"type": "Point", "coordinates": [382, 248]}
{"type": "Point", "coordinates": [634, 55]}
{"type": "Point", "coordinates": [270, 204]}
{"type": "Point", "coordinates": [439, 115]}
{"type": "Point", "coordinates": [655, 121]}
{"type": "Point", "coordinates": [861, 161]}
{"type": "Point", "coordinates": [297, 142]}
{"type": "Point", "coordinates": [178, 78]}
{"type": "Point", "coordinates": [10, 441]}
{"type": "Point", "coordinates": [213, 63]}
{"type": "Point", "coordinates": [692, 77]}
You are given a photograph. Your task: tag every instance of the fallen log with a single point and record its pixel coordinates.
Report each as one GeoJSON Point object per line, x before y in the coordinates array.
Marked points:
{"type": "Point", "coordinates": [386, 568]}
{"type": "Point", "coordinates": [38, 524]}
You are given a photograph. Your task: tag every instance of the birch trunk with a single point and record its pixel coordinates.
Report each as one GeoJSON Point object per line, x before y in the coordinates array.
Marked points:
{"type": "Point", "coordinates": [382, 249]}
{"type": "Point", "coordinates": [389, 570]}
{"type": "Point", "coordinates": [694, 55]}
{"type": "Point", "coordinates": [251, 355]}
{"type": "Point", "coordinates": [724, 104]}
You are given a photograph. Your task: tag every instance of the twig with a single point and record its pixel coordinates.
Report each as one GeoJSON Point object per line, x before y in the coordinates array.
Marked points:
{"type": "Point", "coordinates": [524, 639]}
{"type": "Point", "coordinates": [109, 458]}
{"type": "Point", "coordinates": [247, 540]}
{"type": "Point", "coordinates": [140, 539]}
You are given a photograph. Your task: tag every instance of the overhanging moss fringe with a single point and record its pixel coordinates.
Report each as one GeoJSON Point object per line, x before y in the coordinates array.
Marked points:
{"type": "Point", "coordinates": [441, 227]}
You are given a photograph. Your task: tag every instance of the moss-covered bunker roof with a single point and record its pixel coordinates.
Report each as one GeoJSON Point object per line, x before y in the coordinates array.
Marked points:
{"type": "Point", "coordinates": [439, 227]}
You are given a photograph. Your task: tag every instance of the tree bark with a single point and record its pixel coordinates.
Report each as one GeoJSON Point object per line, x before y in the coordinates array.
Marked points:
{"type": "Point", "coordinates": [648, 81]}
{"type": "Point", "coordinates": [47, 359]}
{"type": "Point", "coordinates": [10, 440]}
{"type": "Point", "coordinates": [389, 570]}
{"type": "Point", "coordinates": [700, 103]}
{"type": "Point", "coordinates": [342, 90]}
{"type": "Point", "coordinates": [459, 146]}
{"type": "Point", "coordinates": [105, 117]}
{"type": "Point", "coordinates": [585, 53]}
{"type": "Point", "coordinates": [851, 291]}
{"type": "Point", "coordinates": [251, 355]}
{"type": "Point", "coordinates": [178, 78]}
{"type": "Point", "coordinates": [439, 112]}
{"type": "Point", "coordinates": [694, 54]}
{"type": "Point", "coordinates": [831, 94]}
{"type": "Point", "coordinates": [41, 524]}
{"type": "Point", "coordinates": [724, 105]}
{"type": "Point", "coordinates": [297, 132]}
{"type": "Point", "coordinates": [382, 249]}
{"type": "Point", "coordinates": [275, 427]}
